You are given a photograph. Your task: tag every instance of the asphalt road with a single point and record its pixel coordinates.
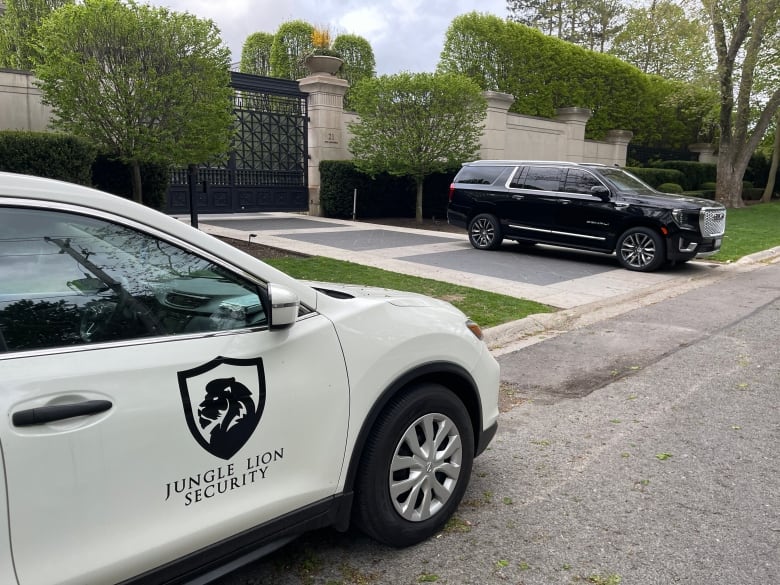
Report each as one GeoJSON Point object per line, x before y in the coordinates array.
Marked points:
{"type": "Point", "coordinates": [641, 449]}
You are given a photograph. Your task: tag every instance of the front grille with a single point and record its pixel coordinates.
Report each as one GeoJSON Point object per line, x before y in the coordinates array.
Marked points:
{"type": "Point", "coordinates": [712, 221]}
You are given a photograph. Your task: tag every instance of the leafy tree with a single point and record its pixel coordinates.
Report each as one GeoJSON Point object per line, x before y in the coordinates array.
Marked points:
{"type": "Point", "coordinates": [292, 42]}
{"type": "Point", "coordinates": [145, 84]}
{"type": "Point", "coordinates": [17, 27]}
{"type": "Point", "coordinates": [256, 54]}
{"type": "Point", "coordinates": [661, 40]}
{"type": "Point", "coordinates": [358, 59]}
{"type": "Point", "coordinates": [415, 124]}
{"type": "Point", "coordinates": [588, 23]}
{"type": "Point", "coordinates": [744, 32]}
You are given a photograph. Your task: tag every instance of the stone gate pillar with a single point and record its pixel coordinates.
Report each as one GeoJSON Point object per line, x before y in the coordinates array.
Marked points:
{"type": "Point", "coordinates": [493, 142]}
{"type": "Point", "coordinates": [326, 127]}
{"type": "Point", "coordinates": [575, 120]}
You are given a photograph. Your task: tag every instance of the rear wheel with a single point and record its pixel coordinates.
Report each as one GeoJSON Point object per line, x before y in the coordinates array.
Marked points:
{"type": "Point", "coordinates": [641, 249]}
{"type": "Point", "coordinates": [485, 232]}
{"type": "Point", "coordinates": [415, 467]}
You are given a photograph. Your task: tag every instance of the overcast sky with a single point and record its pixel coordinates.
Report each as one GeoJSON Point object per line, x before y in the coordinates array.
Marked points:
{"type": "Point", "coordinates": [406, 35]}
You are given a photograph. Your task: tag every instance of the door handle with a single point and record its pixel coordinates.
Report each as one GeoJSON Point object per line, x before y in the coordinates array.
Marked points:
{"type": "Point", "coordinates": [518, 197]}
{"type": "Point", "coordinates": [47, 414]}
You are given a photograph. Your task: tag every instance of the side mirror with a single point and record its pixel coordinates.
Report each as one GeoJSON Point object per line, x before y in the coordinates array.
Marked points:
{"type": "Point", "coordinates": [284, 305]}
{"type": "Point", "coordinates": [601, 192]}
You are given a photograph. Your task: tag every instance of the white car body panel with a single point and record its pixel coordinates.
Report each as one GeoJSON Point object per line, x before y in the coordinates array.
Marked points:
{"type": "Point", "coordinates": [105, 497]}
{"type": "Point", "coordinates": [116, 479]}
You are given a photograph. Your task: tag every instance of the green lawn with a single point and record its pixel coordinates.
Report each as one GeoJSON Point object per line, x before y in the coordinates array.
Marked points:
{"type": "Point", "coordinates": [486, 308]}
{"type": "Point", "coordinates": [748, 230]}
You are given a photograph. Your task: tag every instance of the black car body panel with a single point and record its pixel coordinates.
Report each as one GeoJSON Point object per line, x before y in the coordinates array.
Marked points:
{"type": "Point", "coordinates": [584, 206]}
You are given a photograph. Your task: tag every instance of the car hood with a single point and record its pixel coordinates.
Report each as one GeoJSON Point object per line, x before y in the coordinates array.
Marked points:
{"type": "Point", "coordinates": [394, 297]}
{"type": "Point", "coordinates": [668, 200]}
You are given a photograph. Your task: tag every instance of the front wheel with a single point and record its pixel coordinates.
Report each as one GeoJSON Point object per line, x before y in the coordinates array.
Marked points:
{"type": "Point", "coordinates": [485, 232]}
{"type": "Point", "coordinates": [640, 249]}
{"type": "Point", "coordinates": [415, 466]}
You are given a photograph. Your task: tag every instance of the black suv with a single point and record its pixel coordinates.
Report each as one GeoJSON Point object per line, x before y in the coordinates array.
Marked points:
{"type": "Point", "coordinates": [586, 206]}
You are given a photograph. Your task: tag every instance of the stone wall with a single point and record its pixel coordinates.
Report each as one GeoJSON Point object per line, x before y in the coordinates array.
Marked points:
{"type": "Point", "coordinates": [506, 136]}
{"type": "Point", "coordinates": [20, 103]}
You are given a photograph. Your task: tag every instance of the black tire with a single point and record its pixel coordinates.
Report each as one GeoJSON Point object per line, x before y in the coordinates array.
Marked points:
{"type": "Point", "coordinates": [641, 249]}
{"type": "Point", "coordinates": [485, 232]}
{"type": "Point", "coordinates": [384, 508]}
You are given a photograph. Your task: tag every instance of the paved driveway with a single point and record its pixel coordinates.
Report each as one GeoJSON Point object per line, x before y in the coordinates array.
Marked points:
{"type": "Point", "coordinates": [554, 276]}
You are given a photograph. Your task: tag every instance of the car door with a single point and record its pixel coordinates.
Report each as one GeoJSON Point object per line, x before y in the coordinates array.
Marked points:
{"type": "Point", "coordinates": [534, 194]}
{"type": "Point", "coordinates": [583, 218]}
{"type": "Point", "coordinates": [150, 411]}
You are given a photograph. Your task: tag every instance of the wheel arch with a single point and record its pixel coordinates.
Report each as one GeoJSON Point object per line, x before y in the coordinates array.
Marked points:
{"type": "Point", "coordinates": [449, 375]}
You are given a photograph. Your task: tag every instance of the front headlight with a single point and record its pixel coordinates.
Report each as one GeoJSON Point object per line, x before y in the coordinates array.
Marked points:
{"type": "Point", "coordinates": [681, 218]}
{"type": "Point", "coordinates": [475, 329]}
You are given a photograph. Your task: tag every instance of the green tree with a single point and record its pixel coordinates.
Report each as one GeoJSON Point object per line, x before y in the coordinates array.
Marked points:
{"type": "Point", "coordinates": [145, 84]}
{"type": "Point", "coordinates": [292, 42]}
{"type": "Point", "coordinates": [588, 23]}
{"type": "Point", "coordinates": [744, 31]}
{"type": "Point", "coordinates": [256, 54]}
{"type": "Point", "coordinates": [358, 59]}
{"type": "Point", "coordinates": [17, 28]}
{"type": "Point", "coordinates": [415, 124]}
{"type": "Point", "coordinates": [662, 40]}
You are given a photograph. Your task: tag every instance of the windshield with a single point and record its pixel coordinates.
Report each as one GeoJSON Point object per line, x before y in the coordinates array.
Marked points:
{"type": "Point", "coordinates": [625, 181]}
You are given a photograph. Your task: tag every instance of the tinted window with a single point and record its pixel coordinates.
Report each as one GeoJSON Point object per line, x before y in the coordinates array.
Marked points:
{"type": "Point", "coordinates": [478, 175]}
{"type": "Point", "coordinates": [579, 181]}
{"type": "Point", "coordinates": [66, 280]}
{"type": "Point", "coordinates": [542, 178]}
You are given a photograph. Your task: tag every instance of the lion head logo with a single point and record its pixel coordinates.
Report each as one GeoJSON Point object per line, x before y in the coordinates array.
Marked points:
{"type": "Point", "coordinates": [229, 406]}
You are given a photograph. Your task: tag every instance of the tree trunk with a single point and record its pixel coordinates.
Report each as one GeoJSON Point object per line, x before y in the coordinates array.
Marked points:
{"type": "Point", "coordinates": [766, 197]}
{"type": "Point", "coordinates": [418, 215]}
{"type": "Point", "coordinates": [731, 171]}
{"type": "Point", "coordinates": [136, 182]}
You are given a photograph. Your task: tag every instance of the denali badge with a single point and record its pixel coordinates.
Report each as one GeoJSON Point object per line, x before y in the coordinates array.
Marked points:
{"type": "Point", "coordinates": [223, 401]}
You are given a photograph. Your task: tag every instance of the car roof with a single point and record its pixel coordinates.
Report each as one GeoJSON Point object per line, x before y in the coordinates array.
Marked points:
{"type": "Point", "coordinates": [488, 162]}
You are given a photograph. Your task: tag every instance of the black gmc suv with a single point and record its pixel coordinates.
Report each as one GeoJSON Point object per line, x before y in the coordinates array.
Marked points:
{"type": "Point", "coordinates": [586, 206]}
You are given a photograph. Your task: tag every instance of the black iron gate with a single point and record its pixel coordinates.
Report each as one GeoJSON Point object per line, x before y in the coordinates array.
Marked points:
{"type": "Point", "coordinates": [267, 167]}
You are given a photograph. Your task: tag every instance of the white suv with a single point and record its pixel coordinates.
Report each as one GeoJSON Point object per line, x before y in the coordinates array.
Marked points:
{"type": "Point", "coordinates": [173, 407]}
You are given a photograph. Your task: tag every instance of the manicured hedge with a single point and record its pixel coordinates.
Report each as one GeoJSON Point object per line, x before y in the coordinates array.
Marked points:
{"type": "Point", "coordinates": [655, 177]}
{"type": "Point", "coordinates": [55, 156]}
{"type": "Point", "coordinates": [695, 173]}
{"type": "Point", "coordinates": [544, 73]}
{"type": "Point", "coordinates": [381, 196]}
{"type": "Point", "coordinates": [116, 177]}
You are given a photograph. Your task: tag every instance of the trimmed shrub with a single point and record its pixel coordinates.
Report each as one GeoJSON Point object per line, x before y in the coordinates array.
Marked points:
{"type": "Point", "coordinates": [381, 196]}
{"type": "Point", "coordinates": [655, 177]}
{"type": "Point", "coordinates": [708, 186]}
{"type": "Point", "coordinates": [694, 173]}
{"type": "Point", "coordinates": [752, 193]}
{"type": "Point", "coordinates": [670, 188]}
{"type": "Point", "coordinates": [44, 154]}
{"type": "Point", "coordinates": [747, 185]}
{"type": "Point", "coordinates": [115, 177]}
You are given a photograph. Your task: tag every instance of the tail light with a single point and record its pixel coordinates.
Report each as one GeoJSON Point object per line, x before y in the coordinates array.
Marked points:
{"type": "Point", "coordinates": [452, 191]}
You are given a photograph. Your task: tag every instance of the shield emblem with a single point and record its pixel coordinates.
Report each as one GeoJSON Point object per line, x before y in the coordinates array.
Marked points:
{"type": "Point", "coordinates": [223, 401]}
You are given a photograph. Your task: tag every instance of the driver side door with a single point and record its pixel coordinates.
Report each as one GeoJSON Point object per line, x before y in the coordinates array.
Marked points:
{"type": "Point", "coordinates": [149, 409]}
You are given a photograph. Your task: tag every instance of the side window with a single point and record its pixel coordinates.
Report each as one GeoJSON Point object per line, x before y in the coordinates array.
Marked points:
{"type": "Point", "coordinates": [67, 279]}
{"type": "Point", "coordinates": [542, 178]}
{"type": "Point", "coordinates": [518, 178]}
{"type": "Point", "coordinates": [579, 181]}
{"type": "Point", "coordinates": [478, 175]}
